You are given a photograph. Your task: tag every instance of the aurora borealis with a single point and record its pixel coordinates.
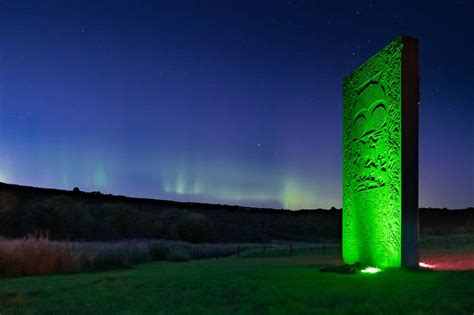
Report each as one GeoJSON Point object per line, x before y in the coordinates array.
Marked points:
{"type": "Point", "coordinates": [219, 101]}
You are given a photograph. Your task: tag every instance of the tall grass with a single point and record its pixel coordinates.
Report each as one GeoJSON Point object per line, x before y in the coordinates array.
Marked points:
{"type": "Point", "coordinates": [37, 255]}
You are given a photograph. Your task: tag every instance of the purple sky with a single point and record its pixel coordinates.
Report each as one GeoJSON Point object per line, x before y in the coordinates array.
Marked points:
{"type": "Point", "coordinates": [233, 102]}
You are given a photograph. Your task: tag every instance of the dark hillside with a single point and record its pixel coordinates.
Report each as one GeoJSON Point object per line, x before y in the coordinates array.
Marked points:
{"type": "Point", "coordinates": [94, 216]}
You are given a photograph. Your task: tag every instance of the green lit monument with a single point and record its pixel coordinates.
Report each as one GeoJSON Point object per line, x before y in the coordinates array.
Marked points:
{"type": "Point", "coordinates": [380, 158]}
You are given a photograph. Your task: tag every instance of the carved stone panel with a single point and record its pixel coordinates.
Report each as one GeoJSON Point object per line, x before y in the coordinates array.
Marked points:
{"type": "Point", "coordinates": [372, 160]}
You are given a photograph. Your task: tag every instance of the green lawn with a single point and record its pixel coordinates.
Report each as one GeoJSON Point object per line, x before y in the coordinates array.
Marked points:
{"type": "Point", "coordinates": [272, 285]}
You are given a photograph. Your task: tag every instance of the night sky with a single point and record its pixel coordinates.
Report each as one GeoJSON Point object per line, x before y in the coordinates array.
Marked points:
{"type": "Point", "coordinates": [234, 102]}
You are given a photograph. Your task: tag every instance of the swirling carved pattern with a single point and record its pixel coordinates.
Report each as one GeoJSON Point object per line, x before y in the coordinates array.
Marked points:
{"type": "Point", "coordinates": [372, 160]}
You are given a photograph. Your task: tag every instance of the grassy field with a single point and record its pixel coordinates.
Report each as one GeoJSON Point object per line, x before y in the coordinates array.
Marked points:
{"type": "Point", "coordinates": [249, 284]}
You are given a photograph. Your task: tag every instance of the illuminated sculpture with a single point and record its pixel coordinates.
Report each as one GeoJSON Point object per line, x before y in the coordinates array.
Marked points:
{"type": "Point", "coordinates": [380, 153]}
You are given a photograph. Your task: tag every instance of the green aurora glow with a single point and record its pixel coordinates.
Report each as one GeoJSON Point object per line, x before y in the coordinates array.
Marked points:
{"type": "Point", "coordinates": [217, 183]}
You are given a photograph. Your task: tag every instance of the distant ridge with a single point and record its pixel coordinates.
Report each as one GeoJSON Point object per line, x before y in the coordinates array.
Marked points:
{"type": "Point", "coordinates": [143, 200]}
{"type": "Point", "coordinates": [159, 202]}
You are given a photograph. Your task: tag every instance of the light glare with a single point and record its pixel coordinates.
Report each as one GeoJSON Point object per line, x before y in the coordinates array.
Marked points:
{"type": "Point", "coordinates": [425, 265]}
{"type": "Point", "coordinates": [371, 270]}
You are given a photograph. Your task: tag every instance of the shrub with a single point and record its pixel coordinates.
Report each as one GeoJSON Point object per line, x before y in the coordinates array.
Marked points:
{"type": "Point", "coordinates": [179, 255]}
{"type": "Point", "coordinates": [8, 205]}
{"type": "Point", "coordinates": [111, 258]}
{"type": "Point", "coordinates": [157, 252]}
{"type": "Point", "coordinates": [137, 252]}
{"type": "Point", "coordinates": [195, 228]}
